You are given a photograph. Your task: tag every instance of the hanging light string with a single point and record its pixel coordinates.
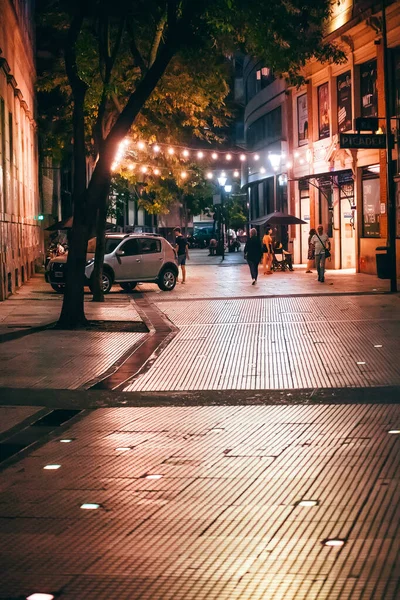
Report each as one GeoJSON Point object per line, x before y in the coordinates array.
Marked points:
{"type": "Point", "coordinates": [278, 161]}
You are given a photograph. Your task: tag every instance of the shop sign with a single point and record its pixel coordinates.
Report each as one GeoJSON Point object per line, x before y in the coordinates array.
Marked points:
{"type": "Point", "coordinates": [323, 111]}
{"type": "Point", "coordinates": [348, 215]}
{"type": "Point", "coordinates": [302, 119]}
{"type": "Point", "coordinates": [363, 140]}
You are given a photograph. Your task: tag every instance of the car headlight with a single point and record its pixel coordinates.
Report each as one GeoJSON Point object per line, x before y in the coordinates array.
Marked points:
{"type": "Point", "coordinates": [89, 262]}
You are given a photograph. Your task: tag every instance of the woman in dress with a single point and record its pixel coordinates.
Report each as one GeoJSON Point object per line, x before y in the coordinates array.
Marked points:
{"type": "Point", "coordinates": [267, 251]}
{"type": "Point", "coordinates": [311, 251]}
{"type": "Point", "coordinates": [253, 253]}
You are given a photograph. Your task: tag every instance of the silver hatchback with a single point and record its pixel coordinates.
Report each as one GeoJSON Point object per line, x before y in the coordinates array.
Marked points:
{"type": "Point", "coordinates": [129, 259]}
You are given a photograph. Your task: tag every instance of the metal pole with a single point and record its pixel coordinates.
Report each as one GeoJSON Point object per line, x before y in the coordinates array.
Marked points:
{"type": "Point", "coordinates": [391, 204]}
{"type": "Point", "coordinates": [222, 223]}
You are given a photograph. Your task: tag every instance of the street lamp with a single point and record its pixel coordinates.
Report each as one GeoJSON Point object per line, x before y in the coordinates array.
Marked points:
{"type": "Point", "coordinates": [221, 241]}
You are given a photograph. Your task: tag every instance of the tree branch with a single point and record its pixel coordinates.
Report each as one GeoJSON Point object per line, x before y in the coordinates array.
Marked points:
{"type": "Point", "coordinates": [71, 66]}
{"type": "Point", "coordinates": [137, 57]}
{"type": "Point", "coordinates": [157, 39]}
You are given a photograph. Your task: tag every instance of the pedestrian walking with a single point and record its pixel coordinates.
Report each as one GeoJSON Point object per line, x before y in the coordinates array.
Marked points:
{"type": "Point", "coordinates": [267, 248]}
{"type": "Point", "coordinates": [253, 254]}
{"type": "Point", "coordinates": [311, 251]}
{"type": "Point", "coordinates": [182, 250]}
{"type": "Point", "coordinates": [322, 249]}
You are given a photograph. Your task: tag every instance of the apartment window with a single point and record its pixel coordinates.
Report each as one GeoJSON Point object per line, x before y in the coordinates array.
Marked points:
{"type": "Point", "coordinates": [368, 90]}
{"type": "Point", "coordinates": [324, 125]}
{"type": "Point", "coordinates": [265, 130]}
{"type": "Point", "coordinates": [263, 78]}
{"type": "Point", "coordinates": [2, 154]}
{"type": "Point", "coordinates": [371, 201]}
{"type": "Point", "coordinates": [344, 102]}
{"type": "Point", "coordinates": [11, 137]}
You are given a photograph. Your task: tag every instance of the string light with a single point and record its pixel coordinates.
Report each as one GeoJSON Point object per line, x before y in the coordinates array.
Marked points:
{"type": "Point", "coordinates": [209, 175]}
{"type": "Point", "coordinates": [214, 155]}
{"type": "Point", "coordinates": [200, 154]}
{"type": "Point", "coordinates": [228, 157]}
{"type": "Point", "coordinates": [171, 151]}
{"type": "Point", "coordinates": [156, 148]}
{"type": "Point", "coordinates": [185, 153]}
{"type": "Point", "coordinates": [262, 170]}
{"type": "Point", "coordinates": [183, 174]}
{"type": "Point", "coordinates": [131, 166]}
{"type": "Point", "coordinates": [242, 157]}
{"type": "Point", "coordinates": [256, 157]}
{"type": "Point", "coordinates": [156, 171]}
{"type": "Point", "coordinates": [141, 145]}
{"type": "Point", "coordinates": [236, 173]}
{"type": "Point", "coordinates": [144, 169]}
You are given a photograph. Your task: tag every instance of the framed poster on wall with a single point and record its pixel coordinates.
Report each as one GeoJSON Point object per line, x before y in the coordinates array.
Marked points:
{"type": "Point", "coordinates": [302, 119]}
{"type": "Point", "coordinates": [323, 111]}
{"type": "Point", "coordinates": [345, 116]}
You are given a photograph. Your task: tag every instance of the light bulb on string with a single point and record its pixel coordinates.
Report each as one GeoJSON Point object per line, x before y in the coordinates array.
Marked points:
{"type": "Point", "coordinates": [131, 166]}
{"type": "Point", "coordinates": [183, 174]}
{"type": "Point", "coordinates": [141, 145]}
{"type": "Point", "coordinates": [156, 171]}
{"type": "Point", "coordinates": [236, 173]}
{"type": "Point", "coordinates": [185, 153]}
{"type": "Point", "coordinates": [214, 156]}
{"type": "Point", "coordinates": [209, 175]}
{"type": "Point", "coordinates": [242, 157]}
{"type": "Point", "coordinates": [171, 151]}
{"type": "Point", "coordinates": [228, 156]}
{"type": "Point", "coordinates": [262, 170]}
{"type": "Point", "coordinates": [256, 157]}
{"type": "Point", "coordinates": [156, 148]}
{"type": "Point", "coordinates": [200, 154]}
{"type": "Point", "coordinates": [144, 169]}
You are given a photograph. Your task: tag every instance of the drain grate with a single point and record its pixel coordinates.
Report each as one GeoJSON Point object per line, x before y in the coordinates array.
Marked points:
{"type": "Point", "coordinates": [31, 434]}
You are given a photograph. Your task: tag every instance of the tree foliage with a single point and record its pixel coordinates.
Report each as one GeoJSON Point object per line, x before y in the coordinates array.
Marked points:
{"type": "Point", "coordinates": [154, 67]}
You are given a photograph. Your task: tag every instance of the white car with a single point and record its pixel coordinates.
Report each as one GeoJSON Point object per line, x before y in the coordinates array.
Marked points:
{"type": "Point", "coordinates": [129, 259]}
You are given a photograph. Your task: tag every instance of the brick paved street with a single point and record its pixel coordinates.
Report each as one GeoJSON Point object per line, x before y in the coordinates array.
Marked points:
{"type": "Point", "coordinates": [202, 501]}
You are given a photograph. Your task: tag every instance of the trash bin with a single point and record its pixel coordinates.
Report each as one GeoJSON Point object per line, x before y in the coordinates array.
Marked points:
{"type": "Point", "coordinates": [382, 262]}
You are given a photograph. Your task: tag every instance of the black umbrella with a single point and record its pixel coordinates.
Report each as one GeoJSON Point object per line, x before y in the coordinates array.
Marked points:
{"type": "Point", "coordinates": [64, 224]}
{"type": "Point", "coordinates": [280, 218]}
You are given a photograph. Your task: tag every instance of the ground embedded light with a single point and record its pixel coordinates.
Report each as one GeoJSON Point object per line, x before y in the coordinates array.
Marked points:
{"type": "Point", "coordinates": [66, 441]}
{"type": "Point", "coordinates": [90, 506]}
{"type": "Point", "coordinates": [308, 503]}
{"type": "Point", "coordinates": [333, 542]}
{"type": "Point", "coordinates": [39, 596]}
{"type": "Point", "coordinates": [394, 431]}
{"type": "Point", "coordinates": [51, 467]}
{"type": "Point", "coordinates": [377, 345]}
{"type": "Point", "coordinates": [153, 476]}
{"type": "Point", "coordinates": [123, 449]}
{"type": "Point", "coordinates": [361, 362]}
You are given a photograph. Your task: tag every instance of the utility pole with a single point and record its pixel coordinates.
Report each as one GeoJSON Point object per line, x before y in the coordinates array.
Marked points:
{"type": "Point", "coordinates": [391, 197]}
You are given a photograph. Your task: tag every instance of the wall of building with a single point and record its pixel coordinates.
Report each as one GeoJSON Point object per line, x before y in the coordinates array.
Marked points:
{"type": "Point", "coordinates": [20, 230]}
{"type": "Point", "coordinates": [343, 189]}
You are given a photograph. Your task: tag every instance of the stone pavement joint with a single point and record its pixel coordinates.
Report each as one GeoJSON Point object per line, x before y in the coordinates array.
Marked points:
{"type": "Point", "coordinates": [222, 520]}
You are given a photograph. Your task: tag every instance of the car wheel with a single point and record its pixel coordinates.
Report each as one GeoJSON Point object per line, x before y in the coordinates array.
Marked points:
{"type": "Point", "coordinates": [106, 283]}
{"type": "Point", "coordinates": [57, 288]}
{"type": "Point", "coordinates": [167, 280]}
{"type": "Point", "coordinates": [128, 287]}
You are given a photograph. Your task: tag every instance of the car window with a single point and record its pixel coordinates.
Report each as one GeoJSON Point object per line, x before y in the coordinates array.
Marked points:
{"type": "Point", "coordinates": [131, 247]}
{"type": "Point", "coordinates": [150, 246]}
{"type": "Point", "coordinates": [111, 244]}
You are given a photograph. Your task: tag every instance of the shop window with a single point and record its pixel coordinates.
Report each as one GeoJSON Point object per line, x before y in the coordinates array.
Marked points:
{"type": "Point", "coordinates": [344, 116]}
{"type": "Point", "coordinates": [302, 119]}
{"type": "Point", "coordinates": [326, 205]}
{"type": "Point", "coordinates": [368, 90]}
{"type": "Point", "coordinates": [324, 125]}
{"type": "Point", "coordinates": [371, 201]}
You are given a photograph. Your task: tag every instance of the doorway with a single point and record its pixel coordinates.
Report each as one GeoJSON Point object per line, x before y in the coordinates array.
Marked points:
{"type": "Point", "coordinates": [347, 225]}
{"type": "Point", "coordinates": [305, 216]}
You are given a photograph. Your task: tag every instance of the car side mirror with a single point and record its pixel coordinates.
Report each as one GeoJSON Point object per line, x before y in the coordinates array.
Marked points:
{"type": "Point", "coordinates": [120, 253]}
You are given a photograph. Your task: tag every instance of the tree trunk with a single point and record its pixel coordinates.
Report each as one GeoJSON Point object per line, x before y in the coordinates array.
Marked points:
{"type": "Point", "coordinates": [97, 275]}
{"type": "Point", "coordinates": [72, 312]}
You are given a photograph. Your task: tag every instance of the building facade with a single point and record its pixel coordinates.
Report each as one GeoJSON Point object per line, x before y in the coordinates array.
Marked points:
{"type": "Point", "coordinates": [310, 175]}
{"type": "Point", "coordinates": [20, 226]}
